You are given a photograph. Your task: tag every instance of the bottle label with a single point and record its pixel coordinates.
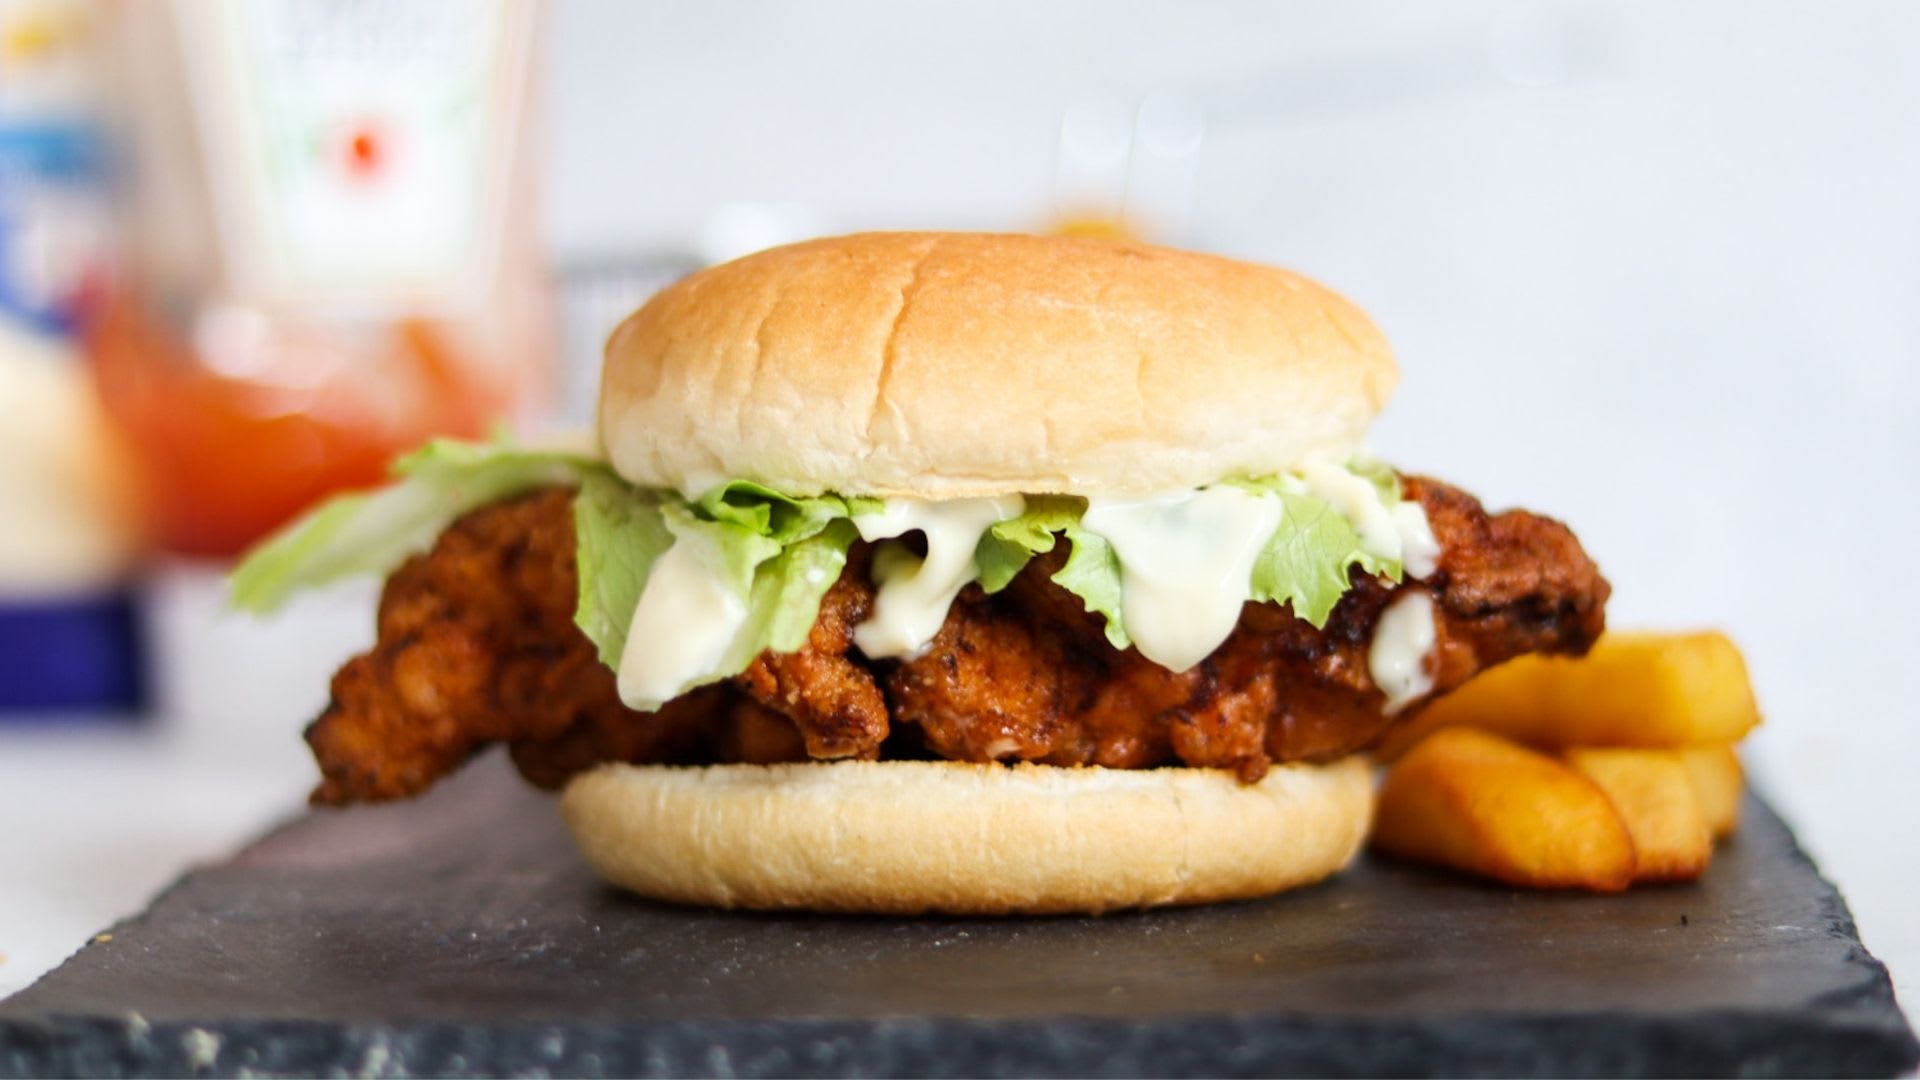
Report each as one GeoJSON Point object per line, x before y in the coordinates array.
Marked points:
{"type": "Point", "coordinates": [359, 151]}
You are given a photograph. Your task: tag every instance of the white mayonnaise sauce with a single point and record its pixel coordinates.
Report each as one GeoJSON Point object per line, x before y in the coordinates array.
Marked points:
{"type": "Point", "coordinates": [915, 593]}
{"type": "Point", "coordinates": [681, 630]}
{"type": "Point", "coordinates": [1358, 502]}
{"type": "Point", "coordinates": [1185, 564]}
{"type": "Point", "coordinates": [1398, 532]}
{"type": "Point", "coordinates": [1402, 645]}
{"type": "Point", "coordinates": [1419, 551]}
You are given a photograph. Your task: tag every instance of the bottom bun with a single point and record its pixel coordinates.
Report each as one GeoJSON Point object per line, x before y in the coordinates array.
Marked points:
{"type": "Point", "coordinates": [901, 837]}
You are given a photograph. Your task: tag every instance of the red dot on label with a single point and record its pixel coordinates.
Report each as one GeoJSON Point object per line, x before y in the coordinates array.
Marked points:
{"type": "Point", "coordinates": [363, 153]}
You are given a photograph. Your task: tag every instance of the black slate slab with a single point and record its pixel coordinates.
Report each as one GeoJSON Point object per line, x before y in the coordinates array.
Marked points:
{"type": "Point", "coordinates": [459, 935]}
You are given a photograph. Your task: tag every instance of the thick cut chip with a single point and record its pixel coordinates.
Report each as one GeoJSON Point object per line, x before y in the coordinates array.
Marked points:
{"type": "Point", "coordinates": [1652, 793]}
{"type": "Point", "coordinates": [1717, 779]}
{"type": "Point", "coordinates": [1633, 689]}
{"type": "Point", "coordinates": [1474, 801]}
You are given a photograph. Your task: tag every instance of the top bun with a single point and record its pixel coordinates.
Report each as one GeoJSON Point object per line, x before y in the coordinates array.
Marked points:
{"type": "Point", "coordinates": [950, 365]}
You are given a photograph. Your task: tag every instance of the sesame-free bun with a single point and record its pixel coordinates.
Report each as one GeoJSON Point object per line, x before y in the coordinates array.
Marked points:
{"type": "Point", "coordinates": [903, 837]}
{"type": "Point", "coordinates": [947, 365]}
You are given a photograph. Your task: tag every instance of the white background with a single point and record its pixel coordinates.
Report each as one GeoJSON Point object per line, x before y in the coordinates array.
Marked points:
{"type": "Point", "coordinates": [1653, 269]}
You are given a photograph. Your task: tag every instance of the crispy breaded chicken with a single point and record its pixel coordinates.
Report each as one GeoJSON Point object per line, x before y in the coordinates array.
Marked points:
{"type": "Point", "coordinates": [823, 687]}
{"type": "Point", "coordinates": [477, 645]}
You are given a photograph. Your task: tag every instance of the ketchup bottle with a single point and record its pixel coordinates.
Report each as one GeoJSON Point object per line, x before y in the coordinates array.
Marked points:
{"type": "Point", "coordinates": [327, 249]}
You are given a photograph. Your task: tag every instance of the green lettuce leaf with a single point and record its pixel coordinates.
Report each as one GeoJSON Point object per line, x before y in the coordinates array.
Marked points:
{"type": "Point", "coordinates": [1092, 569]}
{"type": "Point", "coordinates": [729, 551]}
{"type": "Point", "coordinates": [787, 590]}
{"type": "Point", "coordinates": [783, 518]}
{"type": "Point", "coordinates": [620, 532]}
{"type": "Point", "coordinates": [779, 554]}
{"type": "Point", "coordinates": [373, 532]}
{"type": "Point", "coordinates": [1006, 548]}
{"type": "Point", "coordinates": [1092, 573]}
{"type": "Point", "coordinates": [1308, 562]}
{"type": "Point", "coordinates": [1305, 565]}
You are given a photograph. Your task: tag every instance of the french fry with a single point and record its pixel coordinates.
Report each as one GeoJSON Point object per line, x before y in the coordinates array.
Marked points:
{"type": "Point", "coordinates": [1476, 802]}
{"type": "Point", "coordinates": [1633, 689]}
{"type": "Point", "coordinates": [1653, 794]}
{"type": "Point", "coordinates": [1717, 778]}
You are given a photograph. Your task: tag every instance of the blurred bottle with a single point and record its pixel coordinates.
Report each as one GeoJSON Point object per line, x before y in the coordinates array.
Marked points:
{"type": "Point", "coordinates": [327, 247]}
{"type": "Point", "coordinates": [1123, 172]}
{"type": "Point", "coordinates": [68, 518]}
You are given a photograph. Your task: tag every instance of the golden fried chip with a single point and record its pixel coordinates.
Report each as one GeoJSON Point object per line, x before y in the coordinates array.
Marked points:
{"type": "Point", "coordinates": [1476, 802]}
{"type": "Point", "coordinates": [1717, 779]}
{"type": "Point", "coordinates": [1633, 689]}
{"type": "Point", "coordinates": [1654, 796]}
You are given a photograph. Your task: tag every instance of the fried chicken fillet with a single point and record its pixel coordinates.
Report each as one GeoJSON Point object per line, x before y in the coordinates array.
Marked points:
{"type": "Point", "coordinates": [477, 645]}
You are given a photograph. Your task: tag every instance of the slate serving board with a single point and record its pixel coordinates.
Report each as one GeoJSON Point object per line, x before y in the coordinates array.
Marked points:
{"type": "Point", "coordinates": [460, 935]}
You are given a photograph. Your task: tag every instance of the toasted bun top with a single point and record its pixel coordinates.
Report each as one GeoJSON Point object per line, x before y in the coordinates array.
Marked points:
{"type": "Point", "coordinates": [947, 365]}
{"type": "Point", "coordinates": [970, 839]}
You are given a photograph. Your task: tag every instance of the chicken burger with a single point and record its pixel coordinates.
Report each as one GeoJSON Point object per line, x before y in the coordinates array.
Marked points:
{"type": "Point", "coordinates": [939, 572]}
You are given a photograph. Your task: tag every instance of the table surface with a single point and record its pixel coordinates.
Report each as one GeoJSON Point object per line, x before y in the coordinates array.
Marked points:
{"type": "Point", "coordinates": [461, 932]}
